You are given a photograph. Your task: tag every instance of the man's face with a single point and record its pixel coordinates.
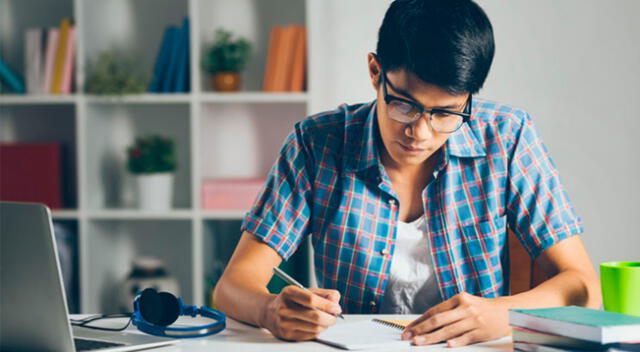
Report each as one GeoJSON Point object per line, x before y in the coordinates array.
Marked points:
{"type": "Point", "coordinates": [410, 145]}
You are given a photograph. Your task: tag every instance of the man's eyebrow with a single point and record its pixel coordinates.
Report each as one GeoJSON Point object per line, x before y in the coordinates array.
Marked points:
{"type": "Point", "coordinates": [407, 95]}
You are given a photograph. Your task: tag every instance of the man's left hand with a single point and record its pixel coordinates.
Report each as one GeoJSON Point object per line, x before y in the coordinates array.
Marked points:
{"type": "Point", "coordinates": [461, 320]}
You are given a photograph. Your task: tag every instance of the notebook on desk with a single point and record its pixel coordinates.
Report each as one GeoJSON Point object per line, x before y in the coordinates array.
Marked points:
{"type": "Point", "coordinates": [363, 334]}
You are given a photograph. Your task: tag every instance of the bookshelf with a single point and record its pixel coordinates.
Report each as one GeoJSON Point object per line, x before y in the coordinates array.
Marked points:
{"type": "Point", "coordinates": [231, 135]}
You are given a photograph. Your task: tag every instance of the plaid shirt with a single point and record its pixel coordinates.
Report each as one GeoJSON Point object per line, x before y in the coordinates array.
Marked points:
{"type": "Point", "coordinates": [328, 183]}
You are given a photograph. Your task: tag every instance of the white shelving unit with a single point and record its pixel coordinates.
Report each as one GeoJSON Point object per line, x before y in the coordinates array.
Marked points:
{"type": "Point", "coordinates": [217, 135]}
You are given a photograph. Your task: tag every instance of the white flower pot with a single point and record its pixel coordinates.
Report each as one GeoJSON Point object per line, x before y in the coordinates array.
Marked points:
{"type": "Point", "coordinates": [155, 191]}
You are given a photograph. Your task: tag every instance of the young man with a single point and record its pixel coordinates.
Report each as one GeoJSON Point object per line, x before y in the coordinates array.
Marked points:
{"type": "Point", "coordinates": [408, 199]}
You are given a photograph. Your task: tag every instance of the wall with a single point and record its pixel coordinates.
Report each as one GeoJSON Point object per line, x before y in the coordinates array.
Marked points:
{"type": "Point", "coordinates": [573, 64]}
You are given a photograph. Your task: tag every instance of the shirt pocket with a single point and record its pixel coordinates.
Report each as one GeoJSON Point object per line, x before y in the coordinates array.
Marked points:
{"type": "Point", "coordinates": [482, 244]}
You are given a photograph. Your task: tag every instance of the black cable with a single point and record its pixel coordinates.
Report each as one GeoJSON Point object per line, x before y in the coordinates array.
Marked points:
{"type": "Point", "coordinates": [83, 322]}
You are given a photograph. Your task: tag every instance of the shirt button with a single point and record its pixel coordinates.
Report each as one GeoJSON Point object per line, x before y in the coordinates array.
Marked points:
{"type": "Point", "coordinates": [374, 307]}
{"type": "Point", "coordinates": [384, 251]}
{"type": "Point", "coordinates": [392, 202]}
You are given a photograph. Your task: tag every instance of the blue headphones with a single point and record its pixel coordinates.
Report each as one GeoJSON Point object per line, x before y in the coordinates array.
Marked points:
{"type": "Point", "coordinates": [154, 311]}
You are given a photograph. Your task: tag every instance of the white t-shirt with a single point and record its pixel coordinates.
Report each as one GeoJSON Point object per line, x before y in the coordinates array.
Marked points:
{"type": "Point", "coordinates": [411, 286]}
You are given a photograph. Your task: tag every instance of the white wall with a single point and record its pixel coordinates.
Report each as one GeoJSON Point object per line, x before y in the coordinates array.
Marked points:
{"type": "Point", "coordinates": [573, 64]}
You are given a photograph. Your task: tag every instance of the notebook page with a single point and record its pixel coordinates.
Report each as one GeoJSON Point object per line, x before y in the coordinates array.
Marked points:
{"type": "Point", "coordinates": [363, 334]}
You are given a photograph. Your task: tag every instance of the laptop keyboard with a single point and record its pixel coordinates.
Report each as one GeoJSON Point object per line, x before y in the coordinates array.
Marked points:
{"type": "Point", "coordinates": [88, 345]}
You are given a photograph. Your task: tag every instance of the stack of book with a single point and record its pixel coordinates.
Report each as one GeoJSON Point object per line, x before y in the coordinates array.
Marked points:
{"type": "Point", "coordinates": [573, 329]}
{"type": "Point", "coordinates": [285, 69]}
{"type": "Point", "coordinates": [49, 58]}
{"type": "Point", "coordinates": [171, 70]}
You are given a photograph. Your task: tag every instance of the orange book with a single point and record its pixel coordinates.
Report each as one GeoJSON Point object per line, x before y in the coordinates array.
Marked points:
{"type": "Point", "coordinates": [61, 51]}
{"type": "Point", "coordinates": [285, 56]}
{"type": "Point", "coordinates": [269, 70]}
{"type": "Point", "coordinates": [299, 61]}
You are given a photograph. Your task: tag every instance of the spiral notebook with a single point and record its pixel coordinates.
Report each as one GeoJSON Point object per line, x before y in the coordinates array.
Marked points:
{"type": "Point", "coordinates": [364, 334]}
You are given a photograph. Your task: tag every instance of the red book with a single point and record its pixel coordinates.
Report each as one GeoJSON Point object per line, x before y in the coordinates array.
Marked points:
{"type": "Point", "coordinates": [31, 173]}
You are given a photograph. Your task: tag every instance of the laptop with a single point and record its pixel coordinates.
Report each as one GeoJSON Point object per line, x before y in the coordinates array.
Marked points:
{"type": "Point", "coordinates": [33, 307]}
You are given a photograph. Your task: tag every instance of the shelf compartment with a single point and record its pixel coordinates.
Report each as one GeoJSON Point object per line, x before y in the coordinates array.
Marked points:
{"type": "Point", "coordinates": [258, 16]}
{"type": "Point", "coordinates": [46, 124]}
{"type": "Point", "coordinates": [114, 244]}
{"type": "Point", "coordinates": [111, 129]}
{"type": "Point", "coordinates": [243, 140]}
{"type": "Point", "coordinates": [133, 27]}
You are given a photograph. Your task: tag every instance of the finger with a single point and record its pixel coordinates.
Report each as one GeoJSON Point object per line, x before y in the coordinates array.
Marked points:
{"type": "Point", "coordinates": [435, 322]}
{"type": "Point", "coordinates": [312, 316]}
{"type": "Point", "coordinates": [309, 299]}
{"type": "Point", "coordinates": [466, 339]}
{"type": "Point", "coordinates": [332, 295]}
{"type": "Point", "coordinates": [446, 333]}
{"type": "Point", "coordinates": [302, 326]}
{"type": "Point", "coordinates": [438, 308]}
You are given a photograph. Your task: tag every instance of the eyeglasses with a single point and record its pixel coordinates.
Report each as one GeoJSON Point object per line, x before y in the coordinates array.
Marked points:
{"type": "Point", "coordinates": [408, 112]}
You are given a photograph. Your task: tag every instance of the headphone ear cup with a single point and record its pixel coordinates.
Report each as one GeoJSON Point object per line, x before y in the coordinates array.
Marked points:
{"type": "Point", "coordinates": [170, 309]}
{"type": "Point", "coordinates": [159, 308]}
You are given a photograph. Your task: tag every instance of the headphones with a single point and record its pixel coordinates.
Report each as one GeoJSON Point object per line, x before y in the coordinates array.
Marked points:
{"type": "Point", "coordinates": [154, 311]}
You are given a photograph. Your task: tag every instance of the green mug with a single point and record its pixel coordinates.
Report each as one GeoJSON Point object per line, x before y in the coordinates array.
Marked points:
{"type": "Point", "coordinates": [621, 287]}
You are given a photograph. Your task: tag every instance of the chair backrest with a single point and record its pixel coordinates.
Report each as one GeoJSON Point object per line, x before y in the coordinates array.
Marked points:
{"type": "Point", "coordinates": [524, 273]}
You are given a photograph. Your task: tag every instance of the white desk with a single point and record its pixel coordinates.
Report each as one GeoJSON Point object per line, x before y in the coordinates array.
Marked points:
{"type": "Point", "coordinates": [239, 337]}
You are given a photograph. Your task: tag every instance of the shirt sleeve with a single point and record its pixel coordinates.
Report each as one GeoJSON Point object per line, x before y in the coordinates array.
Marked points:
{"type": "Point", "coordinates": [281, 213]}
{"type": "Point", "coordinates": [538, 208]}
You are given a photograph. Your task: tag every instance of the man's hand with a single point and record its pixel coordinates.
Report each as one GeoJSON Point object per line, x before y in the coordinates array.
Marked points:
{"type": "Point", "coordinates": [296, 314]}
{"type": "Point", "coordinates": [461, 320]}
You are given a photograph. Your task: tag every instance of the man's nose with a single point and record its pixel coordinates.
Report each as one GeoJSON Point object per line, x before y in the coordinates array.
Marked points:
{"type": "Point", "coordinates": [420, 130]}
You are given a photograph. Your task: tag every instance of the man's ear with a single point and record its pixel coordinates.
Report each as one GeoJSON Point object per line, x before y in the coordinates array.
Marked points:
{"type": "Point", "coordinates": [374, 70]}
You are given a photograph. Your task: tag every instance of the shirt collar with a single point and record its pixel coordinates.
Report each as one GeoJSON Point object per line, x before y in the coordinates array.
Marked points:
{"type": "Point", "coordinates": [464, 143]}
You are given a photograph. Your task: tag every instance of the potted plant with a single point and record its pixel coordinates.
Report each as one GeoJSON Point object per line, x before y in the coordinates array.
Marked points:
{"type": "Point", "coordinates": [225, 59]}
{"type": "Point", "coordinates": [153, 160]}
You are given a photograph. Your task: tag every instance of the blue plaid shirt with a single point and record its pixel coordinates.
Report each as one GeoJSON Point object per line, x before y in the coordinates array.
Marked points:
{"type": "Point", "coordinates": [328, 183]}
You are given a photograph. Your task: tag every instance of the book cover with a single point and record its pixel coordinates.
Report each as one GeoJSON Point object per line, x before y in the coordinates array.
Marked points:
{"type": "Point", "coordinates": [30, 172]}
{"type": "Point", "coordinates": [161, 62]}
{"type": "Point", "coordinates": [580, 323]}
{"type": "Point", "coordinates": [285, 58]}
{"type": "Point", "coordinates": [169, 74]}
{"type": "Point", "coordinates": [544, 338]}
{"type": "Point", "coordinates": [61, 50]}
{"type": "Point", "coordinates": [50, 56]}
{"type": "Point", "coordinates": [33, 60]}
{"type": "Point", "coordinates": [269, 72]}
{"type": "Point", "coordinates": [299, 61]}
{"type": "Point", "coordinates": [69, 58]}
{"type": "Point", "coordinates": [11, 79]}
{"type": "Point", "coordinates": [181, 83]}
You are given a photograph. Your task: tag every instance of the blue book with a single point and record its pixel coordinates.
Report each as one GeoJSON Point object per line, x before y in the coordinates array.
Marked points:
{"type": "Point", "coordinates": [12, 81]}
{"type": "Point", "coordinates": [181, 83]}
{"type": "Point", "coordinates": [161, 62]}
{"type": "Point", "coordinates": [169, 74]}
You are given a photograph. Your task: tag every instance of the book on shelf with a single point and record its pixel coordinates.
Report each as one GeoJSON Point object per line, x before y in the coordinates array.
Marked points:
{"type": "Point", "coordinates": [49, 59]}
{"type": "Point", "coordinates": [230, 194]}
{"type": "Point", "coordinates": [31, 172]}
{"type": "Point", "coordinates": [171, 69]}
{"type": "Point", "coordinates": [285, 68]}
{"type": "Point", "coordinates": [61, 51]}
{"type": "Point", "coordinates": [68, 62]}
{"type": "Point", "coordinates": [579, 323]}
{"type": "Point", "coordinates": [33, 60]}
{"type": "Point", "coordinates": [10, 79]}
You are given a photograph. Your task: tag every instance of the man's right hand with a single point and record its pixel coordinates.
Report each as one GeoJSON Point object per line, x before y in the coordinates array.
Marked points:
{"type": "Point", "coordinates": [296, 314]}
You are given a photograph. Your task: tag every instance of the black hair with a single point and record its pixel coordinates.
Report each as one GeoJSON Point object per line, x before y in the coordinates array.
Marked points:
{"type": "Point", "coordinates": [448, 43]}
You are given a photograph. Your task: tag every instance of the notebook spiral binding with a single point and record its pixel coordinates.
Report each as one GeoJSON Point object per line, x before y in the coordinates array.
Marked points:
{"type": "Point", "coordinates": [389, 323]}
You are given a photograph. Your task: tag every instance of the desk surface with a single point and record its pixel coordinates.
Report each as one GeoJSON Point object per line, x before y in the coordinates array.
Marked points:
{"type": "Point", "coordinates": [239, 337]}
